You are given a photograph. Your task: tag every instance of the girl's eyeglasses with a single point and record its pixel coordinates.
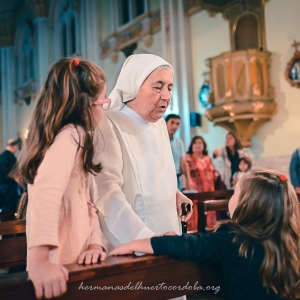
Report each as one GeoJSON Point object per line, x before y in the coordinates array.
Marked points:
{"type": "Point", "coordinates": [104, 103]}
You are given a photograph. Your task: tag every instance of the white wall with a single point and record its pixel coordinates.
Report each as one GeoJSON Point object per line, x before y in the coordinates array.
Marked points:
{"type": "Point", "coordinates": [281, 135]}
{"type": "Point", "coordinates": [209, 38]}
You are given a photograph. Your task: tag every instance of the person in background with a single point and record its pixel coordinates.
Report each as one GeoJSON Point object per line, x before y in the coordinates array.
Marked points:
{"type": "Point", "coordinates": [295, 170]}
{"type": "Point", "coordinates": [177, 145]}
{"type": "Point", "coordinates": [258, 249]}
{"type": "Point", "coordinates": [230, 155]}
{"type": "Point", "coordinates": [200, 174]}
{"type": "Point", "coordinates": [244, 167]}
{"type": "Point", "coordinates": [9, 185]}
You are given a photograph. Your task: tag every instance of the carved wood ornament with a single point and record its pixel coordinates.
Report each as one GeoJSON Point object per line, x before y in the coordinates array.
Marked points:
{"type": "Point", "coordinates": [292, 71]}
{"type": "Point", "coordinates": [242, 97]}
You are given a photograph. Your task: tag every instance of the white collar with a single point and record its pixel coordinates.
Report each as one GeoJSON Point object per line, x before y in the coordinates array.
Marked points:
{"type": "Point", "coordinates": [134, 115]}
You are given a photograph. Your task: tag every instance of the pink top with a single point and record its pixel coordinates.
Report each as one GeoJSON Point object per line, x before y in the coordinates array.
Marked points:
{"type": "Point", "coordinates": [60, 210]}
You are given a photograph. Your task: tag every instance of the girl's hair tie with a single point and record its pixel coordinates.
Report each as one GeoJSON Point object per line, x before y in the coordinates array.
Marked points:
{"type": "Point", "coordinates": [282, 177]}
{"type": "Point", "coordinates": [76, 62]}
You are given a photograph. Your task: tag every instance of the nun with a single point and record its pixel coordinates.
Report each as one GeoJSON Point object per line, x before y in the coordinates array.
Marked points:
{"type": "Point", "coordinates": [137, 187]}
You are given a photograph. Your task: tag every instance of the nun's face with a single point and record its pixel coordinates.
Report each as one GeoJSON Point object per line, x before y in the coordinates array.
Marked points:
{"type": "Point", "coordinates": [154, 95]}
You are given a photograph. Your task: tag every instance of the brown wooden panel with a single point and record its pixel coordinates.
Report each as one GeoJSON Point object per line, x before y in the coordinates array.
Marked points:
{"type": "Point", "coordinates": [13, 252]}
{"type": "Point", "coordinates": [215, 205]}
{"type": "Point", "coordinates": [223, 194]}
{"type": "Point", "coordinates": [12, 227]}
{"type": "Point", "coordinates": [134, 272]}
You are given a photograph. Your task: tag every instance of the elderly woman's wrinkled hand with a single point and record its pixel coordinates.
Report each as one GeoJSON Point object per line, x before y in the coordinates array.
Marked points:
{"type": "Point", "coordinates": [180, 199]}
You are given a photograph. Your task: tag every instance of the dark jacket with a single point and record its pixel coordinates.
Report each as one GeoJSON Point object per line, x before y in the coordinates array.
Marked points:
{"type": "Point", "coordinates": [241, 275]}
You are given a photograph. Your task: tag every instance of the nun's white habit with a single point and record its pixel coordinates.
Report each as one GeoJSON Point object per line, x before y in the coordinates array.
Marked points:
{"type": "Point", "coordinates": [137, 185]}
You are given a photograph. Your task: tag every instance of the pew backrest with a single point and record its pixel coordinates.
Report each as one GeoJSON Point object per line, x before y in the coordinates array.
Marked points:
{"type": "Point", "coordinates": [13, 252]}
{"type": "Point", "coordinates": [12, 227]}
{"type": "Point", "coordinates": [222, 194]}
{"type": "Point", "coordinates": [206, 206]}
{"type": "Point", "coordinates": [13, 247]}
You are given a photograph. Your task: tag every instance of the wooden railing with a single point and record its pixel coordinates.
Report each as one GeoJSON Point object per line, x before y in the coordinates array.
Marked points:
{"type": "Point", "coordinates": [127, 277]}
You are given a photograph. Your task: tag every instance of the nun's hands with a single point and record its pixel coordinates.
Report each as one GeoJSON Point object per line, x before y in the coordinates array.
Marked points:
{"type": "Point", "coordinates": [180, 199]}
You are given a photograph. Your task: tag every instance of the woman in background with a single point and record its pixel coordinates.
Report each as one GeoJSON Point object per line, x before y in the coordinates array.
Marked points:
{"type": "Point", "coordinates": [230, 155]}
{"type": "Point", "coordinates": [200, 174]}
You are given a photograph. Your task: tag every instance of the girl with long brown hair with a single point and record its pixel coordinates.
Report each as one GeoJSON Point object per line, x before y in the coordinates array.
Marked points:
{"type": "Point", "coordinates": [57, 163]}
{"type": "Point", "coordinates": [259, 248]}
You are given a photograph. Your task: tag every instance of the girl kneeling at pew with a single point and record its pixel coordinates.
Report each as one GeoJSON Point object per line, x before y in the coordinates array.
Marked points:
{"type": "Point", "coordinates": [57, 162]}
{"type": "Point", "coordinates": [259, 248]}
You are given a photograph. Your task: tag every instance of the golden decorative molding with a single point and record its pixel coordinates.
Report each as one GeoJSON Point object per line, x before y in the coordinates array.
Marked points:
{"type": "Point", "coordinates": [142, 29]}
{"type": "Point", "coordinates": [194, 6]}
{"type": "Point", "coordinates": [292, 71]}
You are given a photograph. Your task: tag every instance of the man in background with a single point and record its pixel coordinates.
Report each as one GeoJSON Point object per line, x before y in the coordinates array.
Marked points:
{"type": "Point", "coordinates": [177, 145]}
{"type": "Point", "coordinates": [8, 185]}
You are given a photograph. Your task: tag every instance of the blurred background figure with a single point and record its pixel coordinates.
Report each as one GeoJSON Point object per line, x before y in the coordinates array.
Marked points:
{"type": "Point", "coordinates": [230, 156]}
{"type": "Point", "coordinates": [295, 170]}
{"type": "Point", "coordinates": [245, 165]}
{"type": "Point", "coordinates": [177, 145]}
{"type": "Point", "coordinates": [9, 193]}
{"type": "Point", "coordinates": [200, 174]}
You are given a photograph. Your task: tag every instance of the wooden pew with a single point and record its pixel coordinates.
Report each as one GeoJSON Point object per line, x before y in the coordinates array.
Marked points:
{"type": "Point", "coordinates": [13, 249]}
{"type": "Point", "coordinates": [12, 227]}
{"type": "Point", "coordinates": [206, 206]}
{"type": "Point", "coordinates": [197, 218]}
{"type": "Point", "coordinates": [222, 194]}
{"type": "Point", "coordinates": [162, 273]}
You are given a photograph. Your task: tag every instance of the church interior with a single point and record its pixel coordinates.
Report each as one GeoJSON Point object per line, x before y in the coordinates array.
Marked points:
{"type": "Point", "coordinates": [205, 41]}
{"type": "Point", "coordinates": [236, 69]}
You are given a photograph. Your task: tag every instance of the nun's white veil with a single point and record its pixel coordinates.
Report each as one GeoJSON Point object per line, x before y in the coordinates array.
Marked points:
{"type": "Point", "coordinates": [135, 70]}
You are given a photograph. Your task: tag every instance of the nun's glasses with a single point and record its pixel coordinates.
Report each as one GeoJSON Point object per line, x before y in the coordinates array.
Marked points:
{"type": "Point", "coordinates": [104, 103]}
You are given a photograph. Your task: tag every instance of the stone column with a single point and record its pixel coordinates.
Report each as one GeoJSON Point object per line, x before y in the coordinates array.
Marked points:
{"type": "Point", "coordinates": [176, 50]}
{"type": "Point", "coordinates": [91, 38]}
{"type": "Point", "coordinates": [9, 126]}
{"type": "Point", "coordinates": [41, 50]}
{"type": "Point", "coordinates": [41, 40]}
{"type": "Point", "coordinates": [8, 108]}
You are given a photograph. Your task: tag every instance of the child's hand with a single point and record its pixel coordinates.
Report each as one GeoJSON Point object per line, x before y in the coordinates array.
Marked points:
{"type": "Point", "coordinates": [92, 255]}
{"type": "Point", "coordinates": [49, 280]}
{"type": "Point", "coordinates": [122, 250]}
{"type": "Point", "coordinates": [143, 246]}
